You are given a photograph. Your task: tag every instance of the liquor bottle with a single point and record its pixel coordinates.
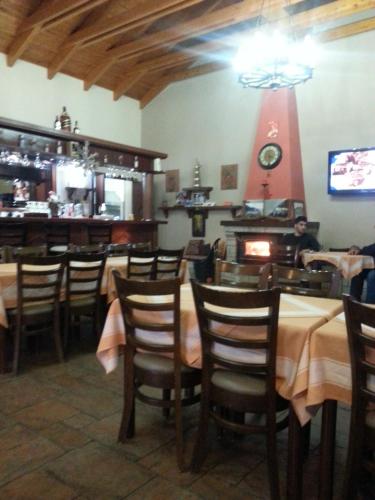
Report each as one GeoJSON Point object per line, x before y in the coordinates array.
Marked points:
{"type": "Point", "coordinates": [66, 123]}
{"type": "Point", "coordinates": [46, 148]}
{"type": "Point", "coordinates": [21, 141]}
{"type": "Point", "coordinates": [59, 148]}
{"type": "Point", "coordinates": [76, 129]}
{"type": "Point", "coordinates": [136, 162]}
{"type": "Point", "coordinates": [57, 124]}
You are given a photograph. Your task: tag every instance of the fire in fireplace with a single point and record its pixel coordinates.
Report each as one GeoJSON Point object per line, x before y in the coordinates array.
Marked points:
{"type": "Point", "coordinates": [257, 248]}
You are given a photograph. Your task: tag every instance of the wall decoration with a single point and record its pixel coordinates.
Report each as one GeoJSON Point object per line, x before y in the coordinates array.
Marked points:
{"type": "Point", "coordinates": [172, 181]}
{"type": "Point", "coordinates": [229, 174]}
{"type": "Point", "coordinates": [198, 224]}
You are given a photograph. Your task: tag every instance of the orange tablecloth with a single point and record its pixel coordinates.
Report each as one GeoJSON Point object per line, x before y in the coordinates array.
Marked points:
{"type": "Point", "coordinates": [299, 317]}
{"type": "Point", "coordinates": [8, 283]}
{"type": "Point", "coordinates": [349, 265]}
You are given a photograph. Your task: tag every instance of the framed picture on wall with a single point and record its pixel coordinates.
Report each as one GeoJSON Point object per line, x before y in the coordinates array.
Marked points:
{"type": "Point", "coordinates": [229, 175]}
{"type": "Point", "coordinates": [172, 181]}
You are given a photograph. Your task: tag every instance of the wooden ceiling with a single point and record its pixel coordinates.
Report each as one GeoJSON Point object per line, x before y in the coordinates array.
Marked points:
{"type": "Point", "coordinates": [138, 47]}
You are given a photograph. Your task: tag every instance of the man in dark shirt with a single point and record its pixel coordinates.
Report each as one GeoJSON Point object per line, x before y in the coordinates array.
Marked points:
{"type": "Point", "coordinates": [300, 238]}
{"type": "Point", "coordinates": [356, 285]}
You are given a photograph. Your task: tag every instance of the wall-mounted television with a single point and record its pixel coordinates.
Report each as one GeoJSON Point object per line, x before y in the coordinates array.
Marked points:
{"type": "Point", "coordinates": [351, 171]}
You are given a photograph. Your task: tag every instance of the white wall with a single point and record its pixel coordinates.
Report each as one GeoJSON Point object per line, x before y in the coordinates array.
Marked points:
{"type": "Point", "coordinates": [212, 118]}
{"type": "Point", "coordinates": [27, 95]}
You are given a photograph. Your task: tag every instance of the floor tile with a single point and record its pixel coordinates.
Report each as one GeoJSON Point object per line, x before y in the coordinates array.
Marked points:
{"type": "Point", "coordinates": [97, 471]}
{"type": "Point", "coordinates": [43, 414]}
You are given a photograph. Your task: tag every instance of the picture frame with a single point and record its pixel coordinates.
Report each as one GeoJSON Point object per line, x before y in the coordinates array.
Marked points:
{"type": "Point", "coordinates": [229, 176]}
{"type": "Point", "coordinates": [172, 181]}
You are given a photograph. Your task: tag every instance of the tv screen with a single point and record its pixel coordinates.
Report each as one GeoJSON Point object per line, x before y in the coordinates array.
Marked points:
{"type": "Point", "coordinates": [351, 171]}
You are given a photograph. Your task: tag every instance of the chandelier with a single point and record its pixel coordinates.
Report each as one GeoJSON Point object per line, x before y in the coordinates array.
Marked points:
{"type": "Point", "coordinates": [273, 60]}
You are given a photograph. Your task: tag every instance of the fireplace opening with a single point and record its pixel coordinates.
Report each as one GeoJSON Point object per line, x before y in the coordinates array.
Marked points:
{"type": "Point", "coordinates": [255, 247]}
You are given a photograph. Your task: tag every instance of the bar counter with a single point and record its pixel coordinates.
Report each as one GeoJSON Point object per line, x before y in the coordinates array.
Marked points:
{"type": "Point", "coordinates": [123, 231]}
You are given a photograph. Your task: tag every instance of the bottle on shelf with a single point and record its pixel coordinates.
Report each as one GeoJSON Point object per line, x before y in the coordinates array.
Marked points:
{"type": "Point", "coordinates": [37, 162]}
{"type": "Point", "coordinates": [47, 148]}
{"type": "Point", "coordinates": [59, 148]}
{"type": "Point", "coordinates": [136, 162]}
{"type": "Point", "coordinates": [76, 129]}
{"type": "Point", "coordinates": [57, 123]}
{"type": "Point", "coordinates": [21, 141]}
{"type": "Point", "coordinates": [66, 123]}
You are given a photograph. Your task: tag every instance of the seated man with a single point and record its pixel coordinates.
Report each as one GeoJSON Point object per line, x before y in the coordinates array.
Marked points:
{"type": "Point", "coordinates": [300, 238]}
{"type": "Point", "coordinates": [356, 284]}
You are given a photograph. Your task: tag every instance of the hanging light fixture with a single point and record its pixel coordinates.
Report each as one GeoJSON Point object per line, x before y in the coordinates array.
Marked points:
{"type": "Point", "coordinates": [272, 60]}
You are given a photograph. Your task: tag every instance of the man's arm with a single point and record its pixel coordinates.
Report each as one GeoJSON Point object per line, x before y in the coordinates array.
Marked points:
{"type": "Point", "coordinates": [313, 244]}
{"type": "Point", "coordinates": [368, 250]}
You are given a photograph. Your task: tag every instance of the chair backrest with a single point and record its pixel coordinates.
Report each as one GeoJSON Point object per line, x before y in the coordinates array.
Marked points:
{"type": "Point", "coordinates": [141, 265]}
{"type": "Point", "coordinates": [255, 276]}
{"type": "Point", "coordinates": [252, 310]}
{"type": "Point", "coordinates": [360, 325]}
{"type": "Point", "coordinates": [57, 234]}
{"type": "Point", "coordinates": [84, 275]}
{"type": "Point", "coordinates": [99, 233]}
{"type": "Point", "coordinates": [304, 282]}
{"type": "Point", "coordinates": [168, 263]}
{"type": "Point", "coordinates": [39, 280]}
{"type": "Point", "coordinates": [118, 249]}
{"type": "Point", "coordinates": [285, 255]}
{"type": "Point", "coordinates": [13, 234]}
{"type": "Point", "coordinates": [141, 311]}
{"type": "Point", "coordinates": [15, 252]}
{"type": "Point", "coordinates": [204, 269]}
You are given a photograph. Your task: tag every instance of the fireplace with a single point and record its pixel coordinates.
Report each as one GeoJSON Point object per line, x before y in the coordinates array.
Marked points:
{"type": "Point", "coordinates": [240, 231]}
{"type": "Point", "coordinates": [255, 247]}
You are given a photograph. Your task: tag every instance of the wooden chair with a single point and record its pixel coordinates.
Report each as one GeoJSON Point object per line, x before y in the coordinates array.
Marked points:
{"type": "Point", "coordinates": [304, 282]}
{"type": "Point", "coordinates": [285, 255]}
{"type": "Point", "coordinates": [57, 237]}
{"type": "Point", "coordinates": [142, 265]}
{"type": "Point", "coordinates": [15, 252]}
{"type": "Point", "coordinates": [145, 363]}
{"type": "Point", "coordinates": [360, 324]}
{"type": "Point", "coordinates": [84, 278]}
{"type": "Point", "coordinates": [99, 233]}
{"type": "Point", "coordinates": [13, 234]}
{"type": "Point", "coordinates": [38, 301]}
{"type": "Point", "coordinates": [4, 254]}
{"type": "Point", "coordinates": [168, 263]}
{"type": "Point", "coordinates": [255, 276]}
{"type": "Point", "coordinates": [229, 382]}
{"type": "Point", "coordinates": [344, 249]}
{"type": "Point", "coordinates": [118, 249]}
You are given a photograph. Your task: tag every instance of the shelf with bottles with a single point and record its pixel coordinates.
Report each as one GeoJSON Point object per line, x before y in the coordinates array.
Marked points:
{"type": "Point", "coordinates": [35, 138]}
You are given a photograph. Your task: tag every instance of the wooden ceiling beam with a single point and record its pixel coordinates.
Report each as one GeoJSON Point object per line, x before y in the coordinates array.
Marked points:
{"type": "Point", "coordinates": [200, 25]}
{"type": "Point", "coordinates": [151, 94]}
{"type": "Point", "coordinates": [145, 12]}
{"type": "Point", "coordinates": [127, 83]}
{"type": "Point", "coordinates": [138, 16]}
{"type": "Point", "coordinates": [164, 62]}
{"type": "Point", "coordinates": [47, 15]}
{"type": "Point", "coordinates": [50, 10]}
{"type": "Point", "coordinates": [347, 30]}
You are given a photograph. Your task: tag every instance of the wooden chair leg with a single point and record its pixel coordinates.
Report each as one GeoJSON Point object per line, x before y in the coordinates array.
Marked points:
{"type": "Point", "coordinates": [200, 446]}
{"type": "Point", "coordinates": [67, 327]}
{"type": "Point", "coordinates": [57, 339]}
{"type": "Point", "coordinates": [128, 415]}
{"type": "Point", "coordinates": [17, 349]}
{"type": "Point", "coordinates": [166, 397]}
{"type": "Point", "coordinates": [272, 461]}
{"type": "Point", "coordinates": [295, 458]}
{"type": "Point", "coordinates": [352, 468]}
{"type": "Point", "coordinates": [306, 430]}
{"type": "Point", "coordinates": [178, 422]}
{"type": "Point", "coordinates": [327, 450]}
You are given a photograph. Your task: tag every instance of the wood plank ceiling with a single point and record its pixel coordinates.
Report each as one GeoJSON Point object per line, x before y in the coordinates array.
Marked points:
{"type": "Point", "coordinates": [138, 47]}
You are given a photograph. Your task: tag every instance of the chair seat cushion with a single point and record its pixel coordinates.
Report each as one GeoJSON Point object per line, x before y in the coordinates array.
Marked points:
{"type": "Point", "coordinates": [33, 310]}
{"type": "Point", "coordinates": [157, 363]}
{"type": "Point", "coordinates": [85, 301]}
{"type": "Point", "coordinates": [239, 383]}
{"type": "Point", "coordinates": [59, 249]}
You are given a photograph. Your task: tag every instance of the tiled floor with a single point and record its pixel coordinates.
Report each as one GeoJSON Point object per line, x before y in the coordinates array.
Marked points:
{"type": "Point", "coordinates": [58, 440]}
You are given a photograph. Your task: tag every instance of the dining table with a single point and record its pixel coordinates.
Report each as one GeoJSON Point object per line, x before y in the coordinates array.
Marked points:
{"type": "Point", "coordinates": [299, 318]}
{"type": "Point", "coordinates": [8, 291]}
{"type": "Point", "coordinates": [348, 265]}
